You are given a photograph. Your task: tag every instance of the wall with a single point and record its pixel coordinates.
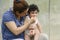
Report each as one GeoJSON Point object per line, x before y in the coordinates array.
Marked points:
{"type": "Point", "coordinates": [49, 15]}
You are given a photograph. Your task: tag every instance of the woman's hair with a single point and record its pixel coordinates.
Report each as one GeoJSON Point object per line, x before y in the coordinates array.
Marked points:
{"type": "Point", "coordinates": [20, 6]}
{"type": "Point", "coordinates": [33, 7]}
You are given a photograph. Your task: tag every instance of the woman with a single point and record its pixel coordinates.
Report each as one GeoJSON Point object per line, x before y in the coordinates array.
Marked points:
{"type": "Point", "coordinates": [13, 21]}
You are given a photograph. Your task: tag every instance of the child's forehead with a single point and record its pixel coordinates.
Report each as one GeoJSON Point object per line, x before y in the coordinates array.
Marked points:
{"type": "Point", "coordinates": [34, 11]}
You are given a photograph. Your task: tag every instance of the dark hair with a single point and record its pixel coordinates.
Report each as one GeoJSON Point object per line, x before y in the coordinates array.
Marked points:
{"type": "Point", "coordinates": [20, 6]}
{"type": "Point", "coordinates": [33, 7]}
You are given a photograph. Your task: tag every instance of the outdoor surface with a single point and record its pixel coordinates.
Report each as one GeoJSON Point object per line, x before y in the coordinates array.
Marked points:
{"type": "Point", "coordinates": [49, 15]}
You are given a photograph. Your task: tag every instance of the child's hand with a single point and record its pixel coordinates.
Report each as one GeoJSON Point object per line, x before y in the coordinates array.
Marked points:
{"type": "Point", "coordinates": [34, 18]}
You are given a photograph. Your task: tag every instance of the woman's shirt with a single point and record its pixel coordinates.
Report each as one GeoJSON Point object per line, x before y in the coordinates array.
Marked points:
{"type": "Point", "coordinates": [6, 33]}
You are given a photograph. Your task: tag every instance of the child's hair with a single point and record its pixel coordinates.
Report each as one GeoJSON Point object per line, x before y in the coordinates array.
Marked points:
{"type": "Point", "coordinates": [33, 7]}
{"type": "Point", "coordinates": [20, 6]}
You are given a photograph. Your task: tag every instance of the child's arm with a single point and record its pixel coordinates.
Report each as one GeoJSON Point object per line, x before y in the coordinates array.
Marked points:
{"type": "Point", "coordinates": [39, 27]}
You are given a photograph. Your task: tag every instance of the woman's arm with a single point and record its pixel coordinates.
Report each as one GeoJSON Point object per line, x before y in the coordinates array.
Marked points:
{"type": "Point", "coordinates": [17, 30]}
{"type": "Point", "coordinates": [14, 29]}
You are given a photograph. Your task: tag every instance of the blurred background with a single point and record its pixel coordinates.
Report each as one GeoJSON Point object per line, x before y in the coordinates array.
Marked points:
{"type": "Point", "coordinates": [49, 15]}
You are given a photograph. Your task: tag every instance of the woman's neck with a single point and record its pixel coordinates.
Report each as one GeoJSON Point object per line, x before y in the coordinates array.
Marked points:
{"type": "Point", "coordinates": [17, 15]}
{"type": "Point", "coordinates": [18, 18]}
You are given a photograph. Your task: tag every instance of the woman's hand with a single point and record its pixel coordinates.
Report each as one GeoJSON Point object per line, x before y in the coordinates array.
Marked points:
{"type": "Point", "coordinates": [29, 20]}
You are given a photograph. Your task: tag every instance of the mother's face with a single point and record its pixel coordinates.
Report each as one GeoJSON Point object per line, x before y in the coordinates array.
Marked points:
{"type": "Point", "coordinates": [23, 13]}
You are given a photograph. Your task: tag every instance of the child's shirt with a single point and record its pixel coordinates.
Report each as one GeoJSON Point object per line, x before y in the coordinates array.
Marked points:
{"type": "Point", "coordinates": [33, 25]}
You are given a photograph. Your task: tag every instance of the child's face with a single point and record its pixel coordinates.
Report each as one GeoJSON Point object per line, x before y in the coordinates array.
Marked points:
{"type": "Point", "coordinates": [33, 13]}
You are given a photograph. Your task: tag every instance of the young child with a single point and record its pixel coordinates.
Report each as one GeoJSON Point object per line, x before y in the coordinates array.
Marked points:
{"type": "Point", "coordinates": [32, 33]}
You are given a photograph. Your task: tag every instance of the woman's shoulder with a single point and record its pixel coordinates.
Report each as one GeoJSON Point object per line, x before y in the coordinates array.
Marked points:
{"type": "Point", "coordinates": [8, 16]}
{"type": "Point", "coordinates": [8, 13]}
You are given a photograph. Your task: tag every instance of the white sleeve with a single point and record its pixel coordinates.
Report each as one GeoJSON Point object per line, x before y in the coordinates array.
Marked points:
{"type": "Point", "coordinates": [27, 17]}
